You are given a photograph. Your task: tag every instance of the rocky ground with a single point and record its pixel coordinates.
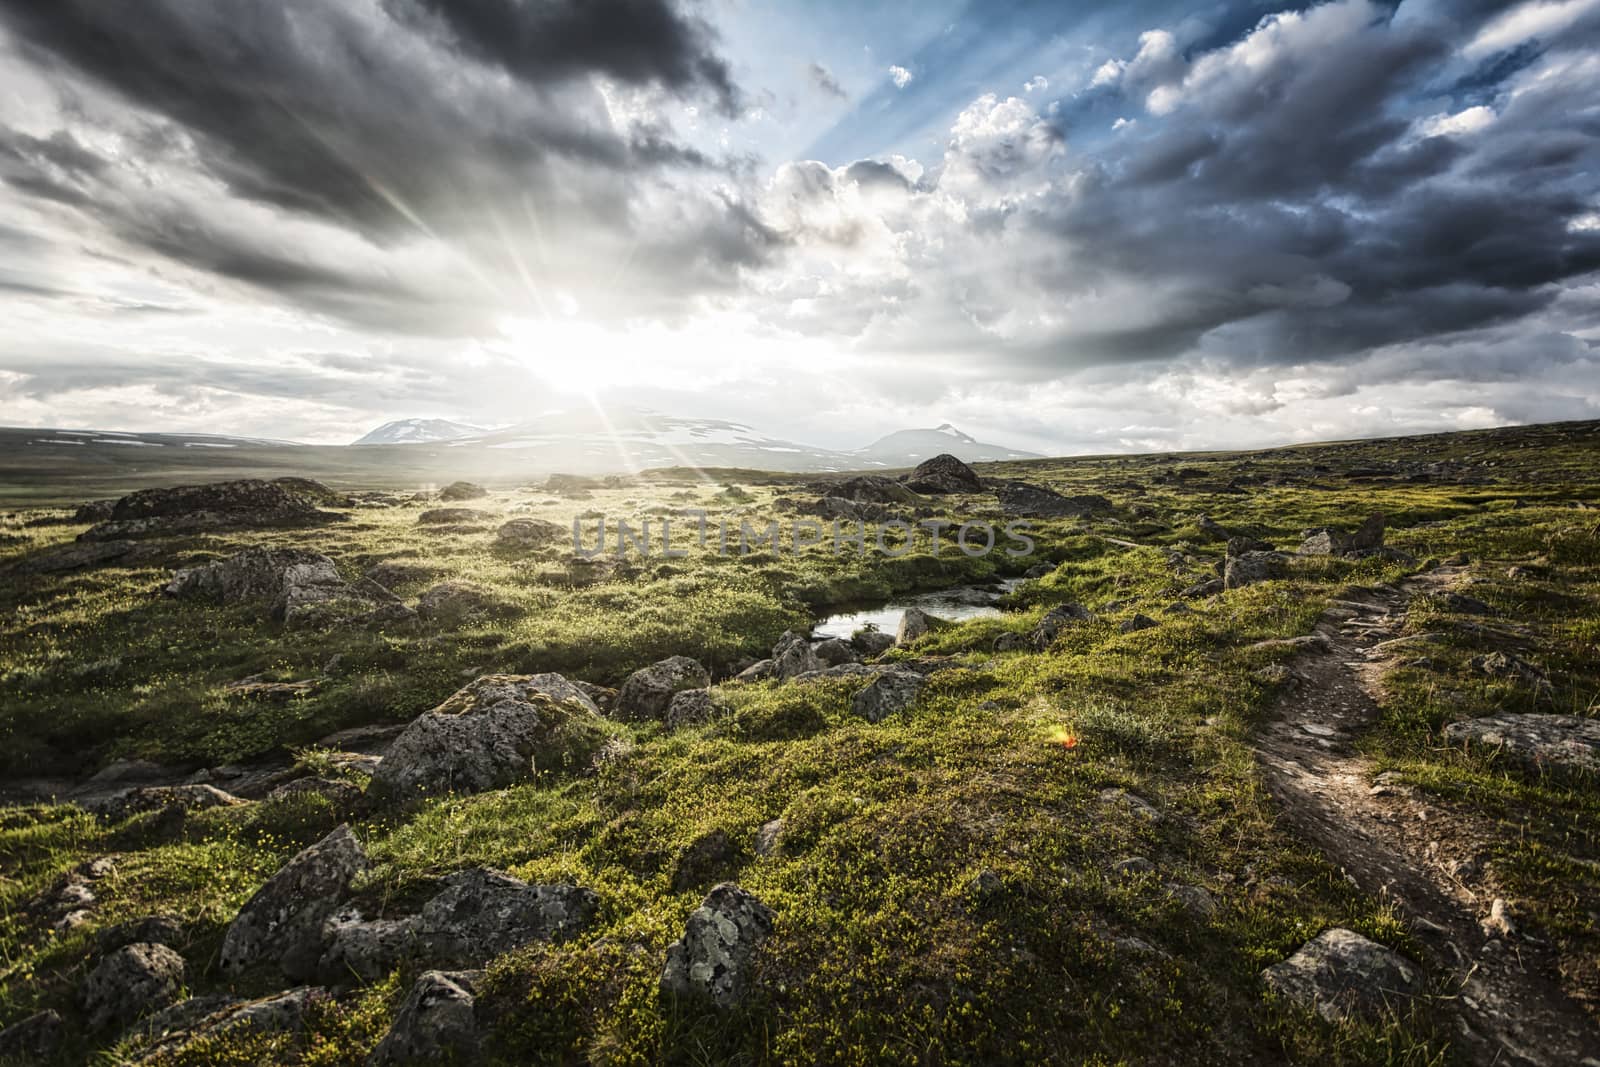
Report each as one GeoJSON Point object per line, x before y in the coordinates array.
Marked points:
{"type": "Point", "coordinates": [1280, 757]}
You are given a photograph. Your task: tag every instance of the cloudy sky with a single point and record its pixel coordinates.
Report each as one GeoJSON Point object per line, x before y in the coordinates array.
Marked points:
{"type": "Point", "coordinates": [1071, 227]}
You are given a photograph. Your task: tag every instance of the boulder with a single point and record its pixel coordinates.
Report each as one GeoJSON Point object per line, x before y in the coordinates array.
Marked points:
{"type": "Point", "coordinates": [889, 692]}
{"type": "Point", "coordinates": [462, 491]}
{"type": "Point", "coordinates": [137, 801]}
{"type": "Point", "coordinates": [1055, 621]}
{"type": "Point", "coordinates": [757, 671]}
{"type": "Point", "coordinates": [769, 837]}
{"type": "Point", "coordinates": [1464, 605]}
{"type": "Point", "coordinates": [365, 950]}
{"type": "Point", "coordinates": [452, 517]}
{"type": "Point", "coordinates": [151, 930]}
{"type": "Point", "coordinates": [529, 533]}
{"type": "Point", "coordinates": [436, 1022]}
{"type": "Point", "coordinates": [454, 602]}
{"type": "Point", "coordinates": [1022, 500]}
{"type": "Point", "coordinates": [1328, 541]}
{"type": "Point", "coordinates": [1238, 546]}
{"type": "Point", "coordinates": [131, 982]}
{"type": "Point", "coordinates": [495, 731]}
{"type": "Point", "coordinates": [340, 794]}
{"type": "Point", "coordinates": [1253, 567]}
{"type": "Point", "coordinates": [711, 962]}
{"type": "Point", "coordinates": [33, 1039]}
{"type": "Point", "coordinates": [303, 588]}
{"type": "Point", "coordinates": [836, 650]}
{"type": "Point", "coordinates": [197, 1023]}
{"type": "Point", "coordinates": [283, 921]}
{"type": "Point", "coordinates": [1340, 974]}
{"type": "Point", "coordinates": [1012, 642]}
{"type": "Point", "coordinates": [872, 489]}
{"type": "Point", "coordinates": [944, 473]}
{"type": "Point", "coordinates": [94, 511]}
{"type": "Point", "coordinates": [648, 692]}
{"type": "Point", "coordinates": [483, 913]}
{"type": "Point", "coordinates": [247, 503]}
{"type": "Point", "coordinates": [793, 656]}
{"type": "Point", "coordinates": [692, 706]}
{"type": "Point", "coordinates": [1139, 621]}
{"type": "Point", "coordinates": [71, 557]}
{"type": "Point", "coordinates": [872, 642]}
{"type": "Point", "coordinates": [314, 492]}
{"type": "Point", "coordinates": [1212, 529]}
{"type": "Point", "coordinates": [914, 624]}
{"type": "Point", "coordinates": [1535, 742]}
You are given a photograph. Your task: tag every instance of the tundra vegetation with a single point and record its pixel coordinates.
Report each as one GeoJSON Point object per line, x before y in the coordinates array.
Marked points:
{"type": "Point", "coordinates": [1045, 837]}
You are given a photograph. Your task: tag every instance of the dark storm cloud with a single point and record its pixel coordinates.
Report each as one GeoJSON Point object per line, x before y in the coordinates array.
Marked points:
{"type": "Point", "coordinates": [383, 121]}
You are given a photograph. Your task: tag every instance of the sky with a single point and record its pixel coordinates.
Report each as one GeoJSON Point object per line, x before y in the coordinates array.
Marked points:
{"type": "Point", "coordinates": [1066, 227]}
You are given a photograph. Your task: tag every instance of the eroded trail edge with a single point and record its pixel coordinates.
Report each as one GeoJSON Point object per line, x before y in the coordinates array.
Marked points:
{"type": "Point", "coordinates": [1414, 850]}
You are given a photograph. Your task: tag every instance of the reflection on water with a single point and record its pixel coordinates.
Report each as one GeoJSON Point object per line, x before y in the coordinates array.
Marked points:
{"type": "Point", "coordinates": [960, 602]}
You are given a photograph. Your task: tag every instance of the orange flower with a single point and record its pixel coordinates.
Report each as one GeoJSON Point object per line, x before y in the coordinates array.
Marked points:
{"type": "Point", "coordinates": [1064, 737]}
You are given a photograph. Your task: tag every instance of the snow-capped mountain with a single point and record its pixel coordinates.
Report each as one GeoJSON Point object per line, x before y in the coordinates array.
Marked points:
{"type": "Point", "coordinates": [419, 432]}
{"type": "Point", "coordinates": [906, 448]}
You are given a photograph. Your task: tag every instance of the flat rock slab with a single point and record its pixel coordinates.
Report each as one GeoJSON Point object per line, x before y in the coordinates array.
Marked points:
{"type": "Point", "coordinates": [1535, 742]}
{"type": "Point", "coordinates": [1340, 974]}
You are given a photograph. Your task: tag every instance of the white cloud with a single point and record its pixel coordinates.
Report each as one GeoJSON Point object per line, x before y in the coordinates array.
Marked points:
{"type": "Point", "coordinates": [1107, 73]}
{"type": "Point", "coordinates": [1536, 19]}
{"type": "Point", "coordinates": [1460, 124]}
{"type": "Point", "coordinates": [900, 76]}
{"type": "Point", "coordinates": [1035, 84]}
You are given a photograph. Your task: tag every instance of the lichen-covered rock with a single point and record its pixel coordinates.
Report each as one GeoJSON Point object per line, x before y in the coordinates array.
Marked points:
{"type": "Point", "coordinates": [340, 794]}
{"type": "Point", "coordinates": [278, 1013]}
{"type": "Point", "coordinates": [71, 557]}
{"type": "Point", "coordinates": [712, 960]}
{"type": "Point", "coordinates": [495, 731]}
{"type": "Point", "coordinates": [364, 950]}
{"type": "Point", "coordinates": [1011, 642]}
{"type": "Point", "coordinates": [692, 706]}
{"type": "Point", "coordinates": [1022, 500]}
{"type": "Point", "coordinates": [130, 802]}
{"type": "Point", "coordinates": [648, 692]}
{"type": "Point", "coordinates": [462, 491]}
{"type": "Point", "coordinates": [436, 1022]}
{"type": "Point", "coordinates": [1139, 621]}
{"type": "Point", "coordinates": [757, 671]}
{"type": "Point", "coordinates": [1212, 528]}
{"type": "Point", "coordinates": [944, 473]}
{"type": "Point", "coordinates": [283, 921]}
{"type": "Point", "coordinates": [246, 503]}
{"type": "Point", "coordinates": [151, 930]}
{"type": "Point", "coordinates": [302, 588]}
{"type": "Point", "coordinates": [1340, 974]}
{"type": "Point", "coordinates": [769, 837]}
{"type": "Point", "coordinates": [793, 656]}
{"type": "Point", "coordinates": [452, 517]}
{"type": "Point", "coordinates": [914, 624]}
{"type": "Point", "coordinates": [134, 980]}
{"type": "Point", "coordinates": [483, 913]}
{"type": "Point", "coordinates": [1535, 742]}
{"type": "Point", "coordinates": [836, 650]}
{"type": "Point", "coordinates": [454, 601]}
{"type": "Point", "coordinates": [529, 533]}
{"type": "Point", "coordinates": [1055, 621]}
{"type": "Point", "coordinates": [1253, 567]}
{"type": "Point", "coordinates": [872, 642]}
{"type": "Point", "coordinates": [889, 692]}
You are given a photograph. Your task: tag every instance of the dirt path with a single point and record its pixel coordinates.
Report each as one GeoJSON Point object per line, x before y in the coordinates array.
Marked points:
{"type": "Point", "coordinates": [1415, 851]}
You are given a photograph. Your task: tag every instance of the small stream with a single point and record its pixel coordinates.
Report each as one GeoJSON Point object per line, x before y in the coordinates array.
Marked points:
{"type": "Point", "coordinates": [956, 603]}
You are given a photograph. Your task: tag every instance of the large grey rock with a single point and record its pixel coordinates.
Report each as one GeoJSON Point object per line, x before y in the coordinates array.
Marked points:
{"type": "Point", "coordinates": [530, 533]}
{"type": "Point", "coordinates": [872, 489]}
{"type": "Point", "coordinates": [202, 1019]}
{"type": "Point", "coordinates": [246, 503]}
{"type": "Point", "coordinates": [1020, 499]}
{"type": "Point", "coordinates": [452, 517]}
{"type": "Point", "coordinates": [793, 656]}
{"type": "Point", "coordinates": [872, 642]}
{"type": "Point", "coordinates": [151, 930]}
{"type": "Point", "coordinates": [33, 1039]}
{"type": "Point", "coordinates": [889, 692]}
{"type": "Point", "coordinates": [495, 731]}
{"type": "Point", "coordinates": [836, 650]}
{"type": "Point", "coordinates": [1056, 620]}
{"type": "Point", "coordinates": [302, 588]}
{"type": "Point", "coordinates": [692, 706]}
{"type": "Point", "coordinates": [134, 980]}
{"type": "Point", "coordinates": [1328, 541]}
{"type": "Point", "coordinates": [365, 950]}
{"type": "Point", "coordinates": [283, 921]}
{"type": "Point", "coordinates": [712, 960]}
{"type": "Point", "coordinates": [436, 1022]}
{"type": "Point", "coordinates": [136, 801]}
{"type": "Point", "coordinates": [71, 557]}
{"type": "Point", "coordinates": [1340, 974]}
{"type": "Point", "coordinates": [914, 624]}
{"type": "Point", "coordinates": [944, 473]}
{"type": "Point", "coordinates": [456, 491]}
{"type": "Point", "coordinates": [648, 692]}
{"type": "Point", "coordinates": [455, 601]}
{"type": "Point", "coordinates": [1535, 742]}
{"type": "Point", "coordinates": [1253, 567]}
{"type": "Point", "coordinates": [483, 913]}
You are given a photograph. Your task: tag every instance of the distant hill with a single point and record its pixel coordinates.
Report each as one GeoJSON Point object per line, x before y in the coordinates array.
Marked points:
{"type": "Point", "coordinates": [418, 432]}
{"type": "Point", "coordinates": [906, 448]}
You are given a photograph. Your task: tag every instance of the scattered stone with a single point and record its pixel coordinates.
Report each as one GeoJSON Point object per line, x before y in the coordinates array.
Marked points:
{"type": "Point", "coordinates": [483, 913]}
{"type": "Point", "coordinates": [253, 688]}
{"type": "Point", "coordinates": [33, 1039]}
{"type": "Point", "coordinates": [452, 517]}
{"type": "Point", "coordinates": [283, 921]}
{"type": "Point", "coordinates": [1253, 567]}
{"type": "Point", "coordinates": [769, 837]}
{"type": "Point", "coordinates": [365, 950]}
{"type": "Point", "coordinates": [648, 692]}
{"type": "Point", "coordinates": [872, 489]}
{"type": "Point", "coordinates": [985, 885]}
{"type": "Point", "coordinates": [1212, 529]}
{"type": "Point", "coordinates": [94, 511]}
{"type": "Point", "coordinates": [1131, 802]}
{"type": "Point", "coordinates": [455, 601]}
{"type": "Point", "coordinates": [760, 669]}
{"type": "Point", "coordinates": [456, 491]}
{"type": "Point", "coordinates": [1210, 587]}
{"type": "Point", "coordinates": [1302, 643]}
{"type": "Point", "coordinates": [1498, 922]}
{"type": "Point", "coordinates": [342, 795]}
{"type": "Point", "coordinates": [836, 650]}
{"type": "Point", "coordinates": [495, 731]}
{"type": "Point", "coordinates": [304, 588]}
{"type": "Point", "coordinates": [1133, 865]}
{"type": "Point", "coordinates": [793, 656]}
{"type": "Point", "coordinates": [134, 980]}
{"type": "Point", "coordinates": [1505, 665]}
{"type": "Point", "coordinates": [1534, 742]}
{"type": "Point", "coordinates": [151, 930]}
{"type": "Point", "coordinates": [1022, 500]}
{"type": "Point", "coordinates": [1055, 621]}
{"type": "Point", "coordinates": [1464, 605]}
{"type": "Point", "coordinates": [1195, 900]}
{"type": "Point", "coordinates": [137, 801]}
{"type": "Point", "coordinates": [914, 624]}
{"type": "Point", "coordinates": [692, 706]}
{"type": "Point", "coordinates": [872, 642]}
{"type": "Point", "coordinates": [1327, 541]}
{"type": "Point", "coordinates": [529, 533]}
{"type": "Point", "coordinates": [712, 960]}
{"type": "Point", "coordinates": [944, 473]}
{"type": "Point", "coordinates": [1140, 621]}
{"type": "Point", "coordinates": [209, 1018]}
{"type": "Point", "coordinates": [436, 1022]}
{"type": "Point", "coordinates": [1276, 676]}
{"type": "Point", "coordinates": [1012, 642]}
{"type": "Point", "coordinates": [71, 557]}
{"type": "Point", "coordinates": [247, 503]}
{"type": "Point", "coordinates": [1238, 546]}
{"type": "Point", "coordinates": [889, 692]}
{"type": "Point", "coordinates": [393, 572]}
{"type": "Point", "coordinates": [712, 857]}
{"type": "Point", "coordinates": [1340, 974]}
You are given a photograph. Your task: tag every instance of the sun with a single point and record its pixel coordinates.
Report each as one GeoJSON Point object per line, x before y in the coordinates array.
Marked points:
{"type": "Point", "coordinates": [570, 355]}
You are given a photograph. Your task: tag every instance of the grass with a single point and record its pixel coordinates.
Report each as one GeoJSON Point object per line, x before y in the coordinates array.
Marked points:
{"type": "Point", "coordinates": [886, 949]}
